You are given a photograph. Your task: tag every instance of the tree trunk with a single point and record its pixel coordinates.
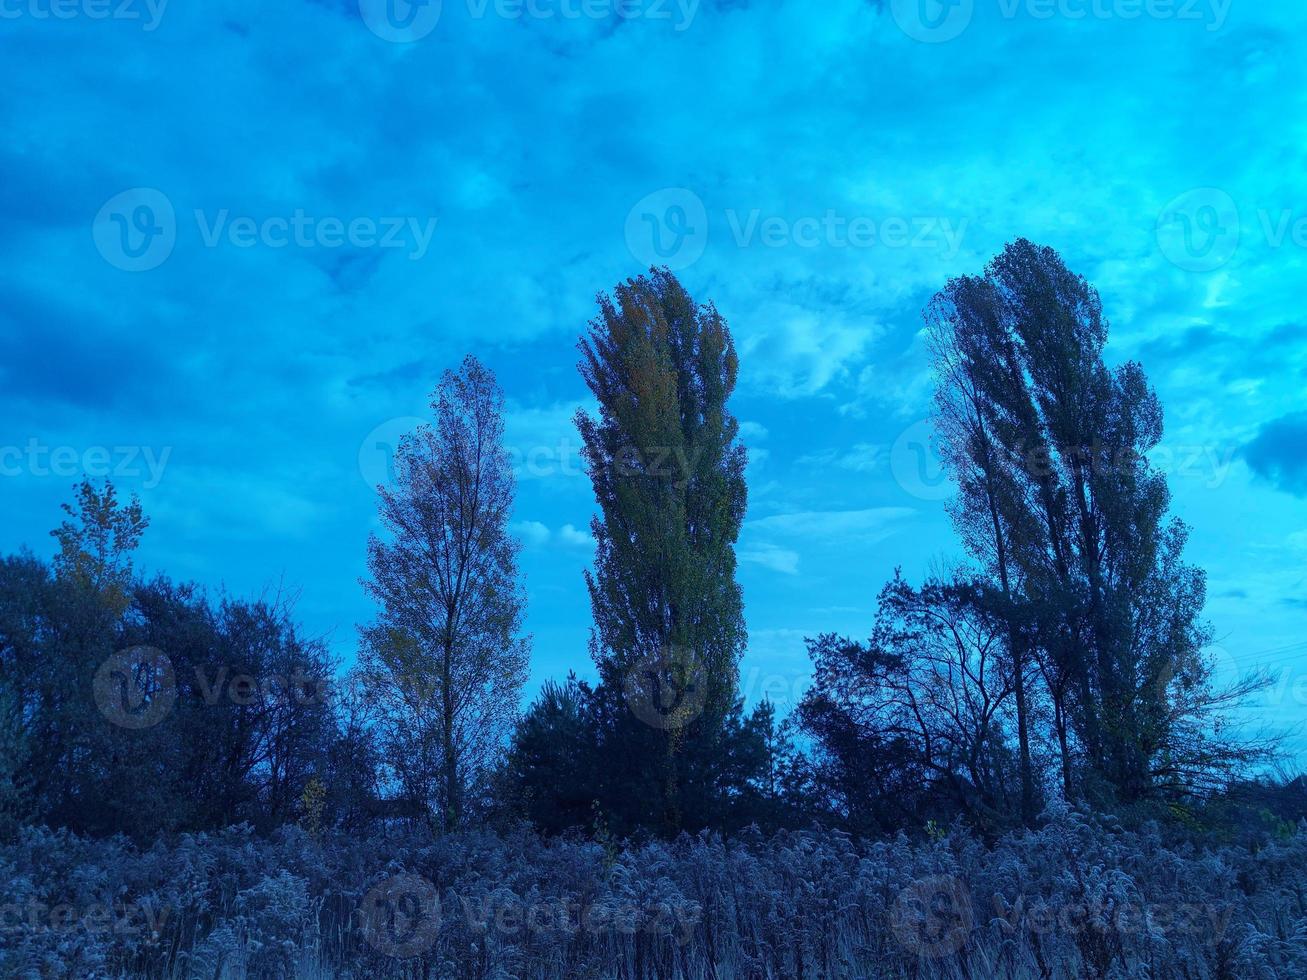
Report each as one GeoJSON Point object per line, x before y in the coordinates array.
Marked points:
{"type": "Point", "coordinates": [453, 794]}
{"type": "Point", "coordinates": [1023, 733]}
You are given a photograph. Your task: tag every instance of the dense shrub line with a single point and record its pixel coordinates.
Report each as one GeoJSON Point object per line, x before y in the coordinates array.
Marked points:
{"type": "Point", "coordinates": [1080, 896]}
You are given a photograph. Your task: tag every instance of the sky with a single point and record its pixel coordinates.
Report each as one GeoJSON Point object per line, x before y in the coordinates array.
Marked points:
{"type": "Point", "coordinates": [239, 243]}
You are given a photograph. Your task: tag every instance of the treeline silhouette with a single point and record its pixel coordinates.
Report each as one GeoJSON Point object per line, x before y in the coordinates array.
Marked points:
{"type": "Point", "coordinates": [1060, 661]}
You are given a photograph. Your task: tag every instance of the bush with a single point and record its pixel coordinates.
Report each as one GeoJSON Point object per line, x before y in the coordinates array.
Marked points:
{"type": "Point", "coordinates": [1080, 896]}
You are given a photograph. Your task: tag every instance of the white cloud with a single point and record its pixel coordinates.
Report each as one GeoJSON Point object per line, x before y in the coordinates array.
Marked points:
{"type": "Point", "coordinates": [872, 524]}
{"type": "Point", "coordinates": [807, 350]}
{"type": "Point", "coordinates": [535, 534]}
{"type": "Point", "coordinates": [865, 457]}
{"type": "Point", "coordinates": [543, 442]}
{"type": "Point", "coordinates": [574, 537]}
{"type": "Point", "coordinates": [772, 556]}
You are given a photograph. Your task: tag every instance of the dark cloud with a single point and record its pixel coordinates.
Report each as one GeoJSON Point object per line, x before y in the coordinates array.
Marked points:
{"type": "Point", "coordinates": [1230, 355]}
{"type": "Point", "coordinates": [406, 376]}
{"type": "Point", "coordinates": [531, 140]}
{"type": "Point", "coordinates": [55, 354]}
{"type": "Point", "coordinates": [1279, 453]}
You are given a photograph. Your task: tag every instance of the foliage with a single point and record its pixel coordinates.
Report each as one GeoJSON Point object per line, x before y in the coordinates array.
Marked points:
{"type": "Point", "coordinates": [668, 476]}
{"type": "Point", "coordinates": [1077, 896]}
{"type": "Point", "coordinates": [188, 789]}
{"type": "Point", "coordinates": [228, 725]}
{"type": "Point", "coordinates": [444, 661]}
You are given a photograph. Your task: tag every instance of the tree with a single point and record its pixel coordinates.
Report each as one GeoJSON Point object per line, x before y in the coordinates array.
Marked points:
{"type": "Point", "coordinates": [57, 627]}
{"type": "Point", "coordinates": [969, 350]}
{"type": "Point", "coordinates": [88, 652]}
{"type": "Point", "coordinates": [96, 542]}
{"type": "Point", "coordinates": [922, 715]}
{"type": "Point", "coordinates": [445, 658]}
{"type": "Point", "coordinates": [1061, 507]}
{"type": "Point", "coordinates": [550, 773]}
{"type": "Point", "coordinates": [668, 476]}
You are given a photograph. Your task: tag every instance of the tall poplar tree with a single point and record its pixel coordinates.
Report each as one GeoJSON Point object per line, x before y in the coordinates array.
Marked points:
{"type": "Point", "coordinates": [668, 476]}
{"type": "Point", "coordinates": [1060, 504]}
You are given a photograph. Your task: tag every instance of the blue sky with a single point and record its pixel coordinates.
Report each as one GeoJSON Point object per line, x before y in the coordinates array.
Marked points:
{"type": "Point", "coordinates": [242, 241]}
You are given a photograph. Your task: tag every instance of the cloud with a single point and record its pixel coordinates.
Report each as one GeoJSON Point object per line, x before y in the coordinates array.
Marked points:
{"type": "Point", "coordinates": [264, 368]}
{"type": "Point", "coordinates": [870, 525]}
{"type": "Point", "coordinates": [807, 350]}
{"type": "Point", "coordinates": [864, 457]}
{"type": "Point", "coordinates": [573, 537]}
{"type": "Point", "coordinates": [774, 557]}
{"type": "Point", "coordinates": [535, 534]}
{"type": "Point", "coordinates": [1278, 454]}
{"type": "Point", "coordinates": [778, 542]}
{"type": "Point", "coordinates": [543, 442]}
